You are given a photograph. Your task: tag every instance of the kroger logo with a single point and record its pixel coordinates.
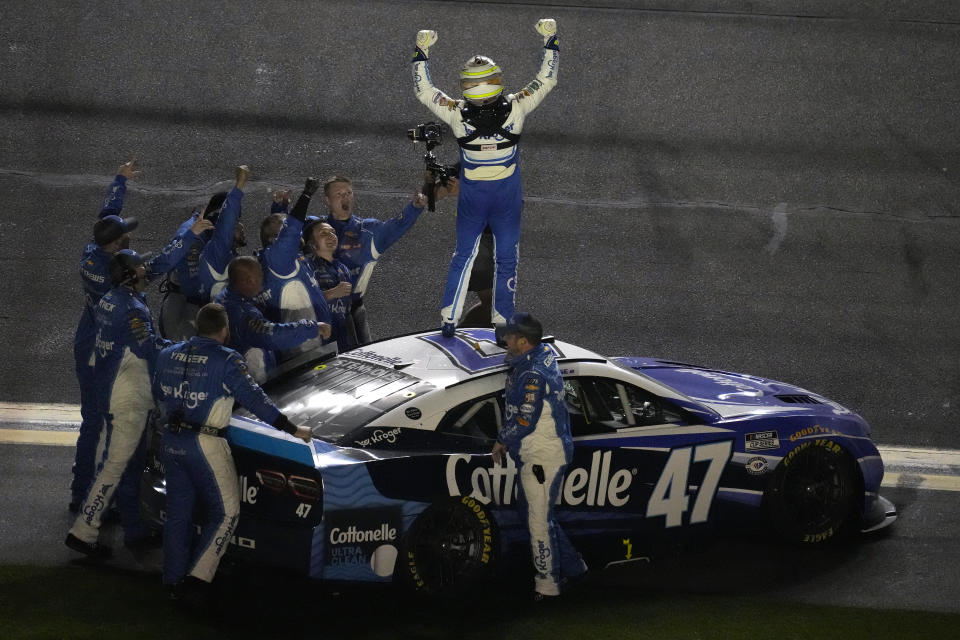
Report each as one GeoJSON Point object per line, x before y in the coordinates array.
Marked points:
{"type": "Point", "coordinates": [183, 393]}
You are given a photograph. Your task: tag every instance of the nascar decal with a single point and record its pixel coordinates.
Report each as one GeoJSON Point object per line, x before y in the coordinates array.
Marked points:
{"type": "Point", "coordinates": [757, 465]}
{"type": "Point", "coordinates": [761, 440]}
{"type": "Point", "coordinates": [472, 349]}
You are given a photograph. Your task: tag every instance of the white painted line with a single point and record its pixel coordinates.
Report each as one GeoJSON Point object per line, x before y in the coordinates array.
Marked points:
{"type": "Point", "coordinates": [39, 437]}
{"type": "Point", "coordinates": [921, 481]}
{"type": "Point", "coordinates": [896, 458]}
{"type": "Point", "coordinates": [43, 414]}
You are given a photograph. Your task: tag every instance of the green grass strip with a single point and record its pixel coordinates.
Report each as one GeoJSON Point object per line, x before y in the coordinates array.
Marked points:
{"type": "Point", "coordinates": [100, 602]}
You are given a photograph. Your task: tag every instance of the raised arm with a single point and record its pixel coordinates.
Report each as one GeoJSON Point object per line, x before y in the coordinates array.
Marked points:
{"type": "Point", "coordinates": [442, 105]}
{"type": "Point", "coordinates": [387, 232]}
{"type": "Point", "coordinates": [113, 201]}
{"type": "Point", "coordinates": [533, 94]}
{"type": "Point", "coordinates": [281, 256]}
{"type": "Point", "coordinates": [219, 250]}
{"type": "Point", "coordinates": [178, 247]}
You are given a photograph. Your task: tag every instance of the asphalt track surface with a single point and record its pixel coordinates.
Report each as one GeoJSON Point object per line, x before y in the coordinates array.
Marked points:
{"type": "Point", "coordinates": [768, 187]}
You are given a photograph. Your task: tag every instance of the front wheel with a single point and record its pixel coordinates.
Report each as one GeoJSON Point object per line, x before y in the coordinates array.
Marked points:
{"type": "Point", "coordinates": [451, 547]}
{"type": "Point", "coordinates": [812, 495]}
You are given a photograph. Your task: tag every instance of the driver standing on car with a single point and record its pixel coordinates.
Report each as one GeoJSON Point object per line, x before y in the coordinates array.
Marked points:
{"type": "Point", "coordinates": [536, 434]}
{"type": "Point", "coordinates": [195, 385]}
{"type": "Point", "coordinates": [488, 126]}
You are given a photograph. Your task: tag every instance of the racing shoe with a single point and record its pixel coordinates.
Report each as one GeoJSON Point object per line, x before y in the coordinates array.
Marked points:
{"type": "Point", "coordinates": [448, 329]}
{"type": "Point", "coordinates": [192, 594]}
{"type": "Point", "coordinates": [94, 550]}
{"type": "Point", "coordinates": [544, 599]}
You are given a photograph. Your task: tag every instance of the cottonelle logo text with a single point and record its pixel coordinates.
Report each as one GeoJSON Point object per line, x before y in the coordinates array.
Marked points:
{"type": "Point", "coordinates": [353, 535]}
{"type": "Point", "coordinates": [593, 487]}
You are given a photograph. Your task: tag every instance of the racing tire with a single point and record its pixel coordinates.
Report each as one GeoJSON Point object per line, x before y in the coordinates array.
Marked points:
{"type": "Point", "coordinates": [451, 547]}
{"type": "Point", "coordinates": [812, 495]}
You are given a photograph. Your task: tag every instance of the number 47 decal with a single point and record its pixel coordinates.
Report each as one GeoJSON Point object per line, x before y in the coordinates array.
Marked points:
{"type": "Point", "coordinates": [669, 497]}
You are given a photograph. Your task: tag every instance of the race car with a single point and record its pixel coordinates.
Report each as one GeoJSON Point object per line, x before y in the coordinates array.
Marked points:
{"type": "Point", "coordinates": [399, 483]}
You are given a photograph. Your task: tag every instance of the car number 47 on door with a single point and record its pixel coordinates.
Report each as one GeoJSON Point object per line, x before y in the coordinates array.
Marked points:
{"type": "Point", "coordinates": [670, 497]}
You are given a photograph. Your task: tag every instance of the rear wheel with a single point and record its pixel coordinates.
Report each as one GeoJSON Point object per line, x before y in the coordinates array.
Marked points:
{"type": "Point", "coordinates": [451, 547]}
{"type": "Point", "coordinates": [812, 496]}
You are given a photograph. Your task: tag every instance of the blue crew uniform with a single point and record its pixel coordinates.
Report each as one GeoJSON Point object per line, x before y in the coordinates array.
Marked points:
{"type": "Point", "coordinates": [126, 349]}
{"type": "Point", "coordinates": [536, 432]}
{"type": "Point", "coordinates": [202, 274]}
{"type": "Point", "coordinates": [490, 187]}
{"type": "Point", "coordinates": [195, 384]}
{"type": "Point", "coordinates": [361, 242]}
{"type": "Point", "coordinates": [95, 277]}
{"type": "Point", "coordinates": [290, 291]}
{"type": "Point", "coordinates": [329, 275]}
{"type": "Point", "coordinates": [256, 338]}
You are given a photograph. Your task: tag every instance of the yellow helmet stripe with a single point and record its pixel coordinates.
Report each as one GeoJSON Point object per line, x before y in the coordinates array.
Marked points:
{"type": "Point", "coordinates": [486, 72]}
{"type": "Point", "coordinates": [473, 94]}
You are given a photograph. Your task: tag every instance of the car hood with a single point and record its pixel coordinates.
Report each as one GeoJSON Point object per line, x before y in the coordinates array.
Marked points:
{"type": "Point", "coordinates": [731, 394]}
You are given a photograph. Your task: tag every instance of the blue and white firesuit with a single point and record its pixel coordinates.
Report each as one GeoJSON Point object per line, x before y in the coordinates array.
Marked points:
{"type": "Point", "coordinates": [95, 276]}
{"type": "Point", "coordinates": [195, 385]}
{"type": "Point", "coordinates": [202, 274]}
{"type": "Point", "coordinates": [256, 338]}
{"type": "Point", "coordinates": [126, 349]}
{"type": "Point", "coordinates": [290, 292]}
{"type": "Point", "coordinates": [490, 186]}
{"type": "Point", "coordinates": [536, 433]}
{"type": "Point", "coordinates": [361, 242]}
{"type": "Point", "coordinates": [329, 275]}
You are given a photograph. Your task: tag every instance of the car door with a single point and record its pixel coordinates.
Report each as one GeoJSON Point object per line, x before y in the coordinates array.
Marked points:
{"type": "Point", "coordinates": [644, 469]}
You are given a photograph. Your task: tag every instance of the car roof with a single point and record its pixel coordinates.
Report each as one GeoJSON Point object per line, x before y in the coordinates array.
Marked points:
{"type": "Point", "coordinates": [447, 361]}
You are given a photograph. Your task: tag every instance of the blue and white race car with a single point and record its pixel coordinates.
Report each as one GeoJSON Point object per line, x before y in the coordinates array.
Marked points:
{"type": "Point", "coordinates": [399, 483]}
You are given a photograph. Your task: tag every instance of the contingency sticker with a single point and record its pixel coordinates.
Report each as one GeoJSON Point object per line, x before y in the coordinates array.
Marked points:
{"type": "Point", "coordinates": [761, 440]}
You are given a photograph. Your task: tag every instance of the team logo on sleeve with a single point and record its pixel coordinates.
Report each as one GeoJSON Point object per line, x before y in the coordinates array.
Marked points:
{"type": "Point", "coordinates": [139, 329]}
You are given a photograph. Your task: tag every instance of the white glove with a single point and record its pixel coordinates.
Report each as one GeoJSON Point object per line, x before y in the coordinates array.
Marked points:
{"type": "Point", "coordinates": [547, 27]}
{"type": "Point", "coordinates": [426, 38]}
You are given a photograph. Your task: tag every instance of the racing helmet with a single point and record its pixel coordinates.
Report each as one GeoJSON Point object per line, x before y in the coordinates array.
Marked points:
{"type": "Point", "coordinates": [480, 80]}
{"type": "Point", "coordinates": [123, 267]}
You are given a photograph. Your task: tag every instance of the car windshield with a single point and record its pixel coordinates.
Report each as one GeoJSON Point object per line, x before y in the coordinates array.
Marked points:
{"type": "Point", "coordinates": [338, 396]}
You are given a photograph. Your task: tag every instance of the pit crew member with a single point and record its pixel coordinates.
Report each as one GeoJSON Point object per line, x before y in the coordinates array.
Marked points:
{"type": "Point", "coordinates": [290, 291]}
{"type": "Point", "coordinates": [126, 349]}
{"type": "Point", "coordinates": [111, 233]}
{"type": "Point", "coordinates": [251, 334]}
{"type": "Point", "coordinates": [195, 385]}
{"type": "Point", "coordinates": [363, 240]}
{"type": "Point", "coordinates": [334, 279]}
{"type": "Point", "coordinates": [536, 434]}
{"type": "Point", "coordinates": [202, 274]}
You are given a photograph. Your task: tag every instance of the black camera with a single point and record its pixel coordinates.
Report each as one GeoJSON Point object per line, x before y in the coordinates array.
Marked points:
{"type": "Point", "coordinates": [429, 132]}
{"type": "Point", "coordinates": [432, 134]}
